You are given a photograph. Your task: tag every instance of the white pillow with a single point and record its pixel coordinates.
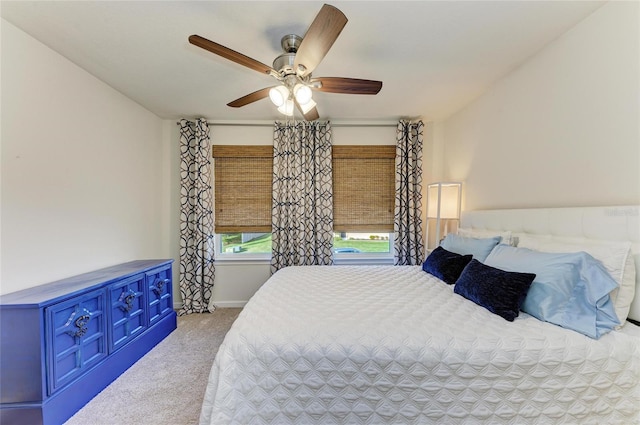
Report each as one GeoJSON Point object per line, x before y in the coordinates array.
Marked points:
{"type": "Point", "coordinates": [615, 256]}
{"type": "Point", "coordinates": [482, 233]}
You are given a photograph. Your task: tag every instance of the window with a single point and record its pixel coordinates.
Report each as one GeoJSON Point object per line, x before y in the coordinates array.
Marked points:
{"type": "Point", "coordinates": [242, 182]}
{"type": "Point", "coordinates": [363, 190]}
{"type": "Point", "coordinates": [245, 243]}
{"type": "Point", "coordinates": [356, 243]}
{"type": "Point", "coordinates": [363, 202]}
{"type": "Point", "coordinates": [345, 244]}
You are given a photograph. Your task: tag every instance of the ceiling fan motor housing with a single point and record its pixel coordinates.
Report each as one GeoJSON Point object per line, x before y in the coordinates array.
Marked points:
{"type": "Point", "coordinates": [284, 63]}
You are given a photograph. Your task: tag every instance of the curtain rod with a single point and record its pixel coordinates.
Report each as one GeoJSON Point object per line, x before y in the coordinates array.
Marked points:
{"type": "Point", "coordinates": [272, 123]}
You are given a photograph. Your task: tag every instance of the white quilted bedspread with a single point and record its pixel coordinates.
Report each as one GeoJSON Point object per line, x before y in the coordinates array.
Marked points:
{"type": "Point", "coordinates": [394, 345]}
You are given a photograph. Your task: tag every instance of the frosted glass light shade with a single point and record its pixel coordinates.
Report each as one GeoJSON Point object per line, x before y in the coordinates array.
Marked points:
{"type": "Point", "coordinates": [307, 106]}
{"type": "Point", "coordinates": [302, 93]}
{"type": "Point", "coordinates": [286, 108]}
{"type": "Point", "coordinates": [278, 95]}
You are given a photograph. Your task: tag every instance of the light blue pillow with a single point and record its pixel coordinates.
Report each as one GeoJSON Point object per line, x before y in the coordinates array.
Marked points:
{"type": "Point", "coordinates": [570, 289]}
{"type": "Point", "coordinates": [478, 247]}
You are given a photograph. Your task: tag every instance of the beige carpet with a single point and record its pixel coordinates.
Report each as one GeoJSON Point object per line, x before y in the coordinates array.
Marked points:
{"type": "Point", "coordinates": [167, 385]}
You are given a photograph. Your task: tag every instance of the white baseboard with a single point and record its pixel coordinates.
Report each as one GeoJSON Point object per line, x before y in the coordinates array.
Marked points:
{"type": "Point", "coordinates": [229, 304]}
{"type": "Point", "coordinates": [218, 304]}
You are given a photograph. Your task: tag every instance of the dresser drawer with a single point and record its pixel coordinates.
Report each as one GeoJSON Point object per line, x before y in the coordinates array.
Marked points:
{"type": "Point", "coordinates": [127, 300]}
{"type": "Point", "coordinates": [76, 337]}
{"type": "Point", "coordinates": [160, 293]}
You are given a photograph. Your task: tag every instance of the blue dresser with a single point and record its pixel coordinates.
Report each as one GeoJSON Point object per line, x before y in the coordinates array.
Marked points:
{"type": "Point", "coordinates": [62, 343]}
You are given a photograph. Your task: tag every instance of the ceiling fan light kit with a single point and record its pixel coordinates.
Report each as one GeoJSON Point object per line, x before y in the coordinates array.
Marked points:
{"type": "Point", "coordinates": [293, 68]}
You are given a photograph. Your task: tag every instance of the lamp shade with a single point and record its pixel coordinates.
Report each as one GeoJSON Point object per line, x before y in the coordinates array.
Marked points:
{"type": "Point", "coordinates": [443, 200]}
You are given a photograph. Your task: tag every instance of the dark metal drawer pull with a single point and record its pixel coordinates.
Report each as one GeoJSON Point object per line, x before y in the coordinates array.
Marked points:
{"type": "Point", "coordinates": [159, 286]}
{"type": "Point", "coordinates": [126, 300]}
{"type": "Point", "coordinates": [80, 323]}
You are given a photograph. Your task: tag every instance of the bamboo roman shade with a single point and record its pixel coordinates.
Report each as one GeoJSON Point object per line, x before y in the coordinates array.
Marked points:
{"type": "Point", "coordinates": [243, 180]}
{"type": "Point", "coordinates": [363, 188]}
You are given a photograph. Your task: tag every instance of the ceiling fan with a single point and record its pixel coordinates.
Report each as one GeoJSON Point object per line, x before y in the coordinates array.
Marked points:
{"type": "Point", "coordinates": [293, 68]}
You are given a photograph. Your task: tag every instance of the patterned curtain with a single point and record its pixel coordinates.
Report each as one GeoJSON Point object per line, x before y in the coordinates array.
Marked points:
{"type": "Point", "coordinates": [302, 217]}
{"type": "Point", "coordinates": [407, 223]}
{"type": "Point", "coordinates": [196, 217]}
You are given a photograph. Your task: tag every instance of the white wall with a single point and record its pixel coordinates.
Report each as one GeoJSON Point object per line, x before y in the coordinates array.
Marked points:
{"type": "Point", "coordinates": [84, 170]}
{"type": "Point", "coordinates": [561, 130]}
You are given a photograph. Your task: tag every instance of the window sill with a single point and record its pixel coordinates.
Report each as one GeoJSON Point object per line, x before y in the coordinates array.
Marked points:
{"type": "Point", "coordinates": [349, 261]}
{"type": "Point", "coordinates": [243, 261]}
{"type": "Point", "coordinates": [364, 261]}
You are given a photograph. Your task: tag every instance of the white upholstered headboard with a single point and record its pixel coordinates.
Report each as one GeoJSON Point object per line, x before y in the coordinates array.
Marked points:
{"type": "Point", "coordinates": [621, 223]}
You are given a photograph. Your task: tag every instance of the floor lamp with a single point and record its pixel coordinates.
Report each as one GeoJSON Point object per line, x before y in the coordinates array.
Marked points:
{"type": "Point", "coordinates": [443, 204]}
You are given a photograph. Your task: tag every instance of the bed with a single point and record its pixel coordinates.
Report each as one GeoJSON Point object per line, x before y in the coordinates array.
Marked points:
{"type": "Point", "coordinates": [397, 345]}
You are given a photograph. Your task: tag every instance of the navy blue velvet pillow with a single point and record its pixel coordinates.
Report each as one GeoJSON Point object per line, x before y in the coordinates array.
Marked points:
{"type": "Point", "coordinates": [445, 265]}
{"type": "Point", "coordinates": [498, 291]}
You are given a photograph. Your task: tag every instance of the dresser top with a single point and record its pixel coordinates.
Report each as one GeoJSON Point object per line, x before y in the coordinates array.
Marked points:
{"type": "Point", "coordinates": [68, 287]}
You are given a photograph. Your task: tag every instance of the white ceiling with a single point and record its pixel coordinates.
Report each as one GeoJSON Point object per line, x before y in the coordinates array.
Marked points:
{"type": "Point", "coordinates": [433, 57]}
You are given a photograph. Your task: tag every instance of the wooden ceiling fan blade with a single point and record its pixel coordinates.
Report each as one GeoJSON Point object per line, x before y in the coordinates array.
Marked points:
{"type": "Point", "coordinates": [323, 32]}
{"type": "Point", "coordinates": [348, 85]}
{"type": "Point", "coordinates": [310, 115]}
{"type": "Point", "coordinates": [230, 54]}
{"type": "Point", "coordinates": [250, 98]}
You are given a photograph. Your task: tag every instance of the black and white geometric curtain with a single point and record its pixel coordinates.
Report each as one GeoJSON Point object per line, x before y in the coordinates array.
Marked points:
{"type": "Point", "coordinates": [407, 223]}
{"type": "Point", "coordinates": [302, 216]}
{"type": "Point", "coordinates": [196, 217]}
